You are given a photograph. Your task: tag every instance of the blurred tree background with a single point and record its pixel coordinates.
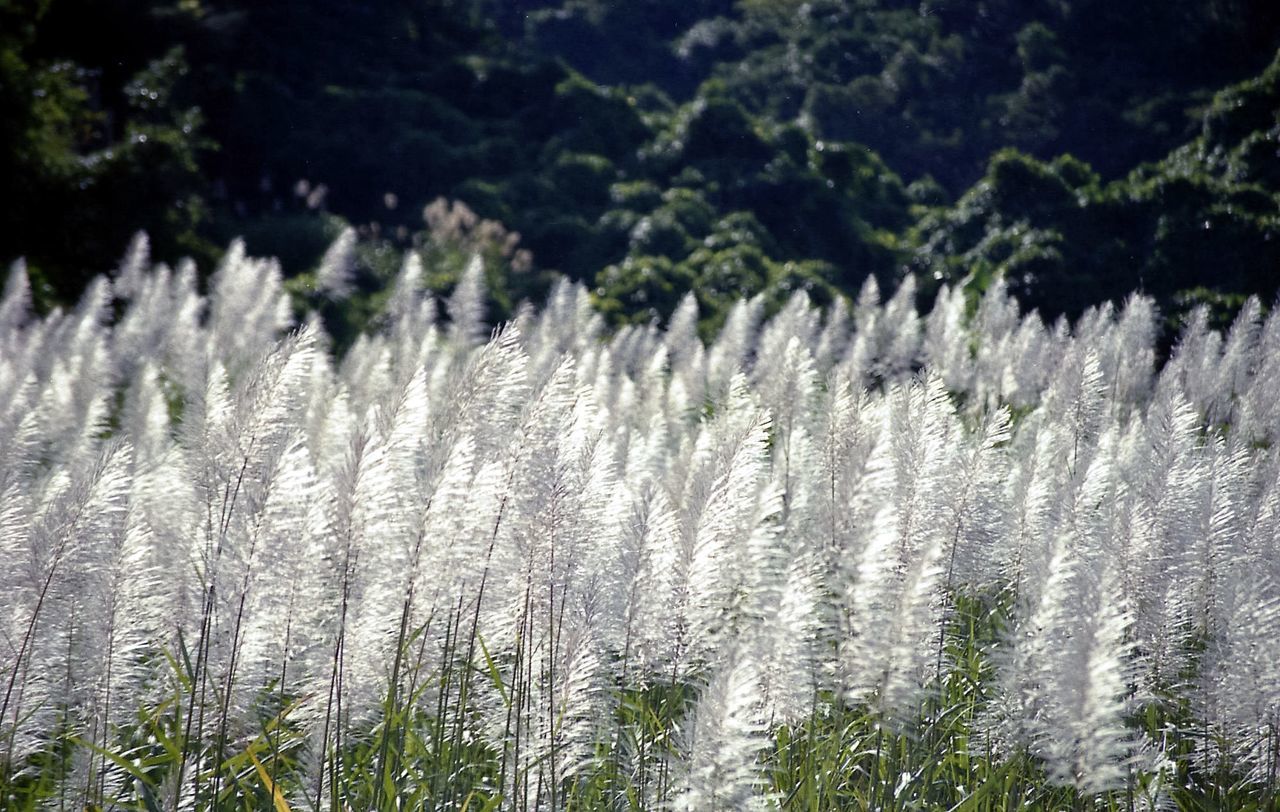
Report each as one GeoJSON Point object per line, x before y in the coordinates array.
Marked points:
{"type": "Point", "coordinates": [1081, 148]}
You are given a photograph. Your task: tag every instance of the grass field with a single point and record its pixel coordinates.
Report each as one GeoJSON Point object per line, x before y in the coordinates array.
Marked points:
{"type": "Point", "coordinates": [863, 558]}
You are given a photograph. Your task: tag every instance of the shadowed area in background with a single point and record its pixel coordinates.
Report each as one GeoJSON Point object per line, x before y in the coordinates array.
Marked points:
{"type": "Point", "coordinates": [1082, 149]}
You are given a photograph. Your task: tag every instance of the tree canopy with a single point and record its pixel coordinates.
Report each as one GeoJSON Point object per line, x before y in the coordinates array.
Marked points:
{"type": "Point", "coordinates": [654, 147]}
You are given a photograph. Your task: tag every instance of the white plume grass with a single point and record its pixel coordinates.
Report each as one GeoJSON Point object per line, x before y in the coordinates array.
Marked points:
{"type": "Point", "coordinates": [524, 539]}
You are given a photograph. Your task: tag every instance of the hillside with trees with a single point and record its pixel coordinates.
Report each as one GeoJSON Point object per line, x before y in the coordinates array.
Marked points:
{"type": "Point", "coordinates": [650, 148]}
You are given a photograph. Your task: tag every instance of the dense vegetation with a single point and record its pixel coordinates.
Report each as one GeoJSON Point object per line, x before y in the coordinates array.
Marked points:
{"type": "Point", "coordinates": [1084, 148]}
{"type": "Point", "coordinates": [712, 525]}
{"type": "Point", "coordinates": [844, 559]}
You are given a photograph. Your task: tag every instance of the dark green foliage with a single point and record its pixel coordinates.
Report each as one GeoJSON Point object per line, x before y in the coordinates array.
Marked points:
{"type": "Point", "coordinates": [937, 87]}
{"type": "Point", "coordinates": [642, 288]}
{"type": "Point", "coordinates": [1206, 217]}
{"type": "Point", "coordinates": [866, 136]}
{"type": "Point", "coordinates": [90, 153]}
